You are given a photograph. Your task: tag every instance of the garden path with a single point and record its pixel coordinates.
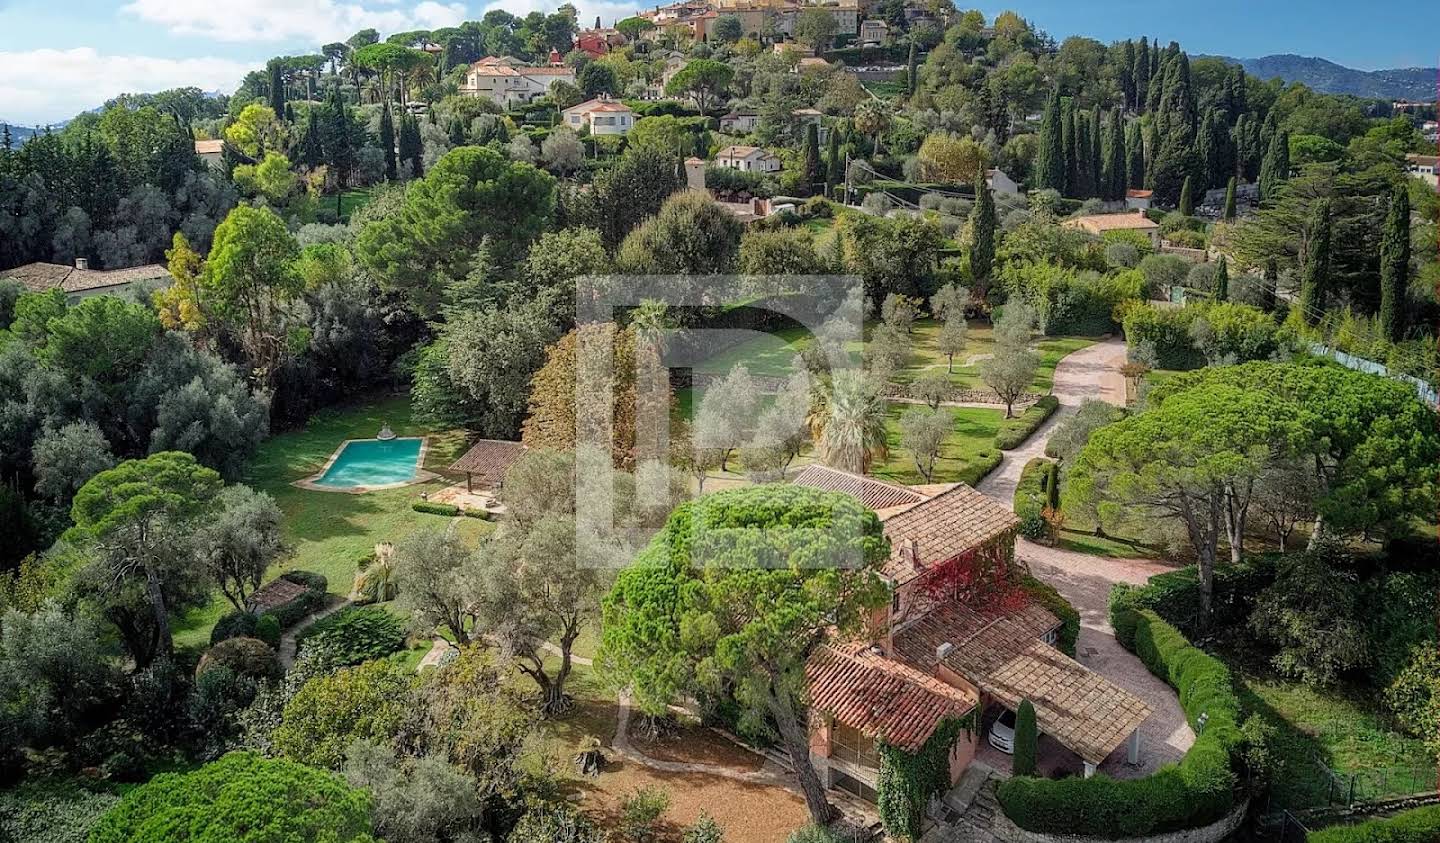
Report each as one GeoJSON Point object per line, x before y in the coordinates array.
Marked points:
{"type": "Point", "coordinates": [1085, 580]}
{"type": "Point", "coordinates": [290, 639]}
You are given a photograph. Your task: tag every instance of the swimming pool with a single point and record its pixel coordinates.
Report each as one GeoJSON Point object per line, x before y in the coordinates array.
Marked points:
{"type": "Point", "coordinates": [365, 464]}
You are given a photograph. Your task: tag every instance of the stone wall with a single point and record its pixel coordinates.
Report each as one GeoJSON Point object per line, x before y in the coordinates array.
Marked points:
{"type": "Point", "coordinates": [1008, 832]}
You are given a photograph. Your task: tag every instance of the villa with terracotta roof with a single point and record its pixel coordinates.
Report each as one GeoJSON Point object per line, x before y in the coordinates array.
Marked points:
{"type": "Point", "coordinates": [504, 81]}
{"type": "Point", "coordinates": [748, 158]}
{"type": "Point", "coordinates": [1098, 224]}
{"type": "Point", "coordinates": [959, 638]}
{"type": "Point", "coordinates": [602, 116]}
{"type": "Point", "coordinates": [80, 281]}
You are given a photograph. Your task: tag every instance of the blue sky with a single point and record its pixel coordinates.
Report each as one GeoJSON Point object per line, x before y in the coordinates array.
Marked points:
{"type": "Point", "coordinates": [58, 57]}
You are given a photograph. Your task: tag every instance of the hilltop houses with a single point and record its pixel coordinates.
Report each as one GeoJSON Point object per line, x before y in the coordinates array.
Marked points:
{"type": "Point", "coordinates": [602, 116]}
{"type": "Point", "coordinates": [506, 81]}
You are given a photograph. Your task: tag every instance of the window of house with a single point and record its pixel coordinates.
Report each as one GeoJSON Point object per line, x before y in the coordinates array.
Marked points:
{"type": "Point", "coordinates": [849, 745]}
{"type": "Point", "coordinates": [1051, 637]}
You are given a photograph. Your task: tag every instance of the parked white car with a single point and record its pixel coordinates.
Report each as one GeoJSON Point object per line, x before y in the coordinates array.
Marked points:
{"type": "Point", "coordinates": [1002, 732]}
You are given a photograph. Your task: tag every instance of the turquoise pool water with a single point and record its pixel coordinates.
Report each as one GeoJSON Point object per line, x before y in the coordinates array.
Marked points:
{"type": "Point", "coordinates": [371, 462]}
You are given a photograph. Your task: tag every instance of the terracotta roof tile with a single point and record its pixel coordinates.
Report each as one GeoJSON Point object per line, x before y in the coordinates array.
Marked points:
{"type": "Point", "coordinates": [881, 697]}
{"type": "Point", "coordinates": [943, 527]}
{"type": "Point", "coordinates": [876, 494]}
{"type": "Point", "coordinates": [1097, 223]}
{"type": "Point", "coordinates": [275, 593]}
{"type": "Point", "coordinates": [1003, 654]}
{"type": "Point", "coordinates": [489, 459]}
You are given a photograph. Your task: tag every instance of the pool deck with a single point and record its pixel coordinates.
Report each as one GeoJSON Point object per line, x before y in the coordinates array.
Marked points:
{"type": "Point", "coordinates": [421, 475]}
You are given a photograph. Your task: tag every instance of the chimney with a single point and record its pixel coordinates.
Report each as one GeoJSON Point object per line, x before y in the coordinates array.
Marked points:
{"type": "Point", "coordinates": [82, 263]}
{"type": "Point", "coordinates": [943, 650]}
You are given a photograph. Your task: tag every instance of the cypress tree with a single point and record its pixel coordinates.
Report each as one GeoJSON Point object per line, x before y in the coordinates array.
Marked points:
{"type": "Point", "coordinates": [1395, 264]}
{"type": "Point", "coordinates": [1083, 186]}
{"type": "Point", "coordinates": [1206, 152]}
{"type": "Point", "coordinates": [1127, 73]}
{"type": "Point", "coordinates": [1067, 141]}
{"type": "Point", "coordinates": [311, 148]}
{"type": "Point", "coordinates": [1176, 157]}
{"type": "Point", "coordinates": [1115, 173]}
{"type": "Point", "coordinates": [6, 142]}
{"type": "Point", "coordinates": [1141, 74]}
{"type": "Point", "coordinates": [1050, 154]}
{"type": "Point", "coordinates": [1275, 170]}
{"type": "Point", "coordinates": [1315, 273]}
{"type": "Point", "coordinates": [1230, 200]}
{"type": "Point", "coordinates": [1026, 740]}
{"type": "Point", "coordinates": [1222, 280]}
{"type": "Point", "coordinates": [1134, 156]}
{"type": "Point", "coordinates": [1158, 73]}
{"type": "Point", "coordinates": [1269, 293]}
{"type": "Point", "coordinates": [810, 167]}
{"type": "Point", "coordinates": [1097, 160]}
{"type": "Point", "coordinates": [1187, 202]}
{"type": "Point", "coordinates": [387, 142]}
{"type": "Point", "coordinates": [411, 149]}
{"type": "Point", "coordinates": [983, 222]}
{"type": "Point", "coordinates": [456, 133]}
{"type": "Point", "coordinates": [912, 69]}
{"type": "Point", "coordinates": [835, 165]}
{"type": "Point", "coordinates": [1052, 487]}
{"type": "Point", "coordinates": [277, 89]}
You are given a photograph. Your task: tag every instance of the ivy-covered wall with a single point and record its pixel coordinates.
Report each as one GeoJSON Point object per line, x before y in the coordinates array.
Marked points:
{"type": "Point", "coordinates": [908, 780]}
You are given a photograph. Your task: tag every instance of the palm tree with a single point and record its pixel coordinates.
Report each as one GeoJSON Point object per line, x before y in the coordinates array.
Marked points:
{"type": "Point", "coordinates": [872, 118]}
{"type": "Point", "coordinates": [848, 423]}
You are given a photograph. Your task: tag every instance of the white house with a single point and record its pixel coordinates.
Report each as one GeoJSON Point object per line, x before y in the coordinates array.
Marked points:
{"type": "Point", "coordinates": [1423, 167]}
{"type": "Point", "coordinates": [1138, 200]}
{"type": "Point", "coordinates": [505, 83]}
{"type": "Point", "coordinates": [748, 158]}
{"type": "Point", "coordinates": [807, 117]}
{"type": "Point", "coordinates": [602, 116]}
{"type": "Point", "coordinates": [739, 122]}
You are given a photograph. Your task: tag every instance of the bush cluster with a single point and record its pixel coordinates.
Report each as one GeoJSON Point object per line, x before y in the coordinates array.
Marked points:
{"type": "Point", "coordinates": [1014, 432]}
{"type": "Point", "coordinates": [1174, 595]}
{"type": "Point", "coordinates": [1030, 490]}
{"type": "Point", "coordinates": [357, 634]}
{"type": "Point", "coordinates": [430, 508]}
{"type": "Point", "coordinates": [1197, 791]}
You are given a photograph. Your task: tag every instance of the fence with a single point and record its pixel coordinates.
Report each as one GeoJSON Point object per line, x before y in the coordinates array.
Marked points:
{"type": "Point", "coordinates": [1372, 785]}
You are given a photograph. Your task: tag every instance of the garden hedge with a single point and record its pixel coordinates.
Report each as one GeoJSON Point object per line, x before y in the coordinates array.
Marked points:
{"type": "Point", "coordinates": [1014, 432]}
{"type": "Point", "coordinates": [1030, 490]}
{"type": "Point", "coordinates": [430, 508]}
{"type": "Point", "coordinates": [985, 462]}
{"type": "Point", "coordinates": [1420, 825]}
{"type": "Point", "coordinates": [1199, 790]}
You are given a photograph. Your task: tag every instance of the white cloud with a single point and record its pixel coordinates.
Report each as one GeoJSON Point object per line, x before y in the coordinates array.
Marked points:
{"type": "Point", "coordinates": [608, 10]}
{"type": "Point", "coordinates": [47, 86]}
{"type": "Point", "coordinates": [315, 21]}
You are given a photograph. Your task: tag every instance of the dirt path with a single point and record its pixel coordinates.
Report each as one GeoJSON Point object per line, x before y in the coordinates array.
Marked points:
{"type": "Point", "coordinates": [1091, 372]}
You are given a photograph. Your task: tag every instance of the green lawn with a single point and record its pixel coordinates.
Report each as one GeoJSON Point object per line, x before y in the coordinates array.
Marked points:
{"type": "Point", "coordinates": [1345, 729]}
{"type": "Point", "coordinates": [772, 354]}
{"type": "Point", "coordinates": [969, 447]}
{"type": "Point", "coordinates": [352, 201]}
{"type": "Point", "coordinates": [331, 531]}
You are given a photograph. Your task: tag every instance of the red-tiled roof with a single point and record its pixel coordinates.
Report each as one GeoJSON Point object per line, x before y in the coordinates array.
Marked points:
{"type": "Point", "coordinates": [880, 697]}
{"type": "Point", "coordinates": [876, 494]}
{"type": "Point", "coordinates": [489, 459]}
{"type": "Point", "coordinates": [1132, 193]}
{"type": "Point", "coordinates": [1003, 654]}
{"type": "Point", "coordinates": [943, 527]}
{"type": "Point", "coordinates": [273, 594]}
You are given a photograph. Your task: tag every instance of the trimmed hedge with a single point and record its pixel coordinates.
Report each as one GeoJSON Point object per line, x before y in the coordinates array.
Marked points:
{"type": "Point", "coordinates": [1199, 790]}
{"type": "Point", "coordinates": [1046, 595]}
{"type": "Point", "coordinates": [1030, 490]}
{"type": "Point", "coordinates": [1420, 825]}
{"type": "Point", "coordinates": [447, 509]}
{"type": "Point", "coordinates": [1014, 432]}
{"type": "Point", "coordinates": [985, 462]}
{"type": "Point", "coordinates": [236, 624]}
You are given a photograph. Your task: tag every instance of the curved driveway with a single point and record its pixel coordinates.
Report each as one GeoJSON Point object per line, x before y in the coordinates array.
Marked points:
{"type": "Point", "coordinates": [1085, 580]}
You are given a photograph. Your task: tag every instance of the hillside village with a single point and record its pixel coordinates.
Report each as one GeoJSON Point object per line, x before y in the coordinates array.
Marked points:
{"type": "Point", "coordinates": [749, 420]}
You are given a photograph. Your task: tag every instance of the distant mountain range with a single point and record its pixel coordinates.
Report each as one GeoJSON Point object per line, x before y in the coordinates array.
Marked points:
{"type": "Point", "coordinates": [1416, 84]}
{"type": "Point", "coordinates": [18, 134]}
